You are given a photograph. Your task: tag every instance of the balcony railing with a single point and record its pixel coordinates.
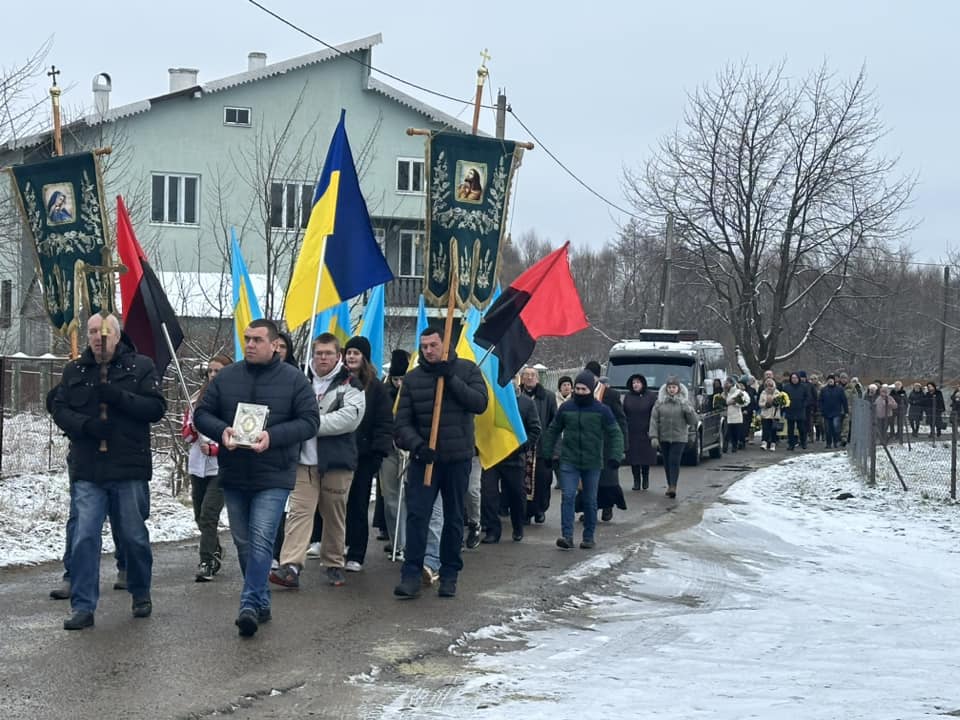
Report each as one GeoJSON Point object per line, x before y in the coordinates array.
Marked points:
{"type": "Point", "coordinates": [404, 292]}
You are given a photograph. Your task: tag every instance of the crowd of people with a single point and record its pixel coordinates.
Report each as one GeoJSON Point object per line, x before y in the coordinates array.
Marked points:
{"type": "Point", "coordinates": [294, 454]}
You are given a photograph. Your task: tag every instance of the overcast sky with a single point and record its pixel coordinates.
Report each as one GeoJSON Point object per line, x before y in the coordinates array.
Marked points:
{"type": "Point", "coordinates": [598, 83]}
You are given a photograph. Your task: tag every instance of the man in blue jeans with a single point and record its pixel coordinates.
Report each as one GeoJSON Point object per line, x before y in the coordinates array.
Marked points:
{"type": "Point", "coordinates": [464, 396]}
{"type": "Point", "coordinates": [592, 440]}
{"type": "Point", "coordinates": [105, 404]}
{"type": "Point", "coordinates": [256, 479]}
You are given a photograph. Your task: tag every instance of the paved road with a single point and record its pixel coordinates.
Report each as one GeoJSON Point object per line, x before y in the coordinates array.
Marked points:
{"type": "Point", "coordinates": [187, 661]}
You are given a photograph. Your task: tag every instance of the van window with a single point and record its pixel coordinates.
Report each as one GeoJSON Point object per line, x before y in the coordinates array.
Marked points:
{"type": "Point", "coordinates": [655, 370]}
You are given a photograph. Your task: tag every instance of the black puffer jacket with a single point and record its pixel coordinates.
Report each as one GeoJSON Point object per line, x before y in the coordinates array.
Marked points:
{"type": "Point", "coordinates": [293, 418]}
{"type": "Point", "coordinates": [375, 434]}
{"type": "Point", "coordinates": [140, 403]}
{"type": "Point", "coordinates": [465, 395]}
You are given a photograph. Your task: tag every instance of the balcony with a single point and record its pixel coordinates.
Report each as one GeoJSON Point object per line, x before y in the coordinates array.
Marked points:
{"type": "Point", "coordinates": [404, 292]}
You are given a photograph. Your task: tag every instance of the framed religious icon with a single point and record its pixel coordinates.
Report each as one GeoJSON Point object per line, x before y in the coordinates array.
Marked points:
{"type": "Point", "coordinates": [248, 422]}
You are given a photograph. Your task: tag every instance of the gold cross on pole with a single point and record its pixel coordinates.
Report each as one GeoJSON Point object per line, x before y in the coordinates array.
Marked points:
{"type": "Point", "coordinates": [485, 54]}
{"type": "Point", "coordinates": [52, 73]}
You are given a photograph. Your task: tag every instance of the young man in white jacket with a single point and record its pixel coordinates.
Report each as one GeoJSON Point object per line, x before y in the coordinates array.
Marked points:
{"type": "Point", "coordinates": [325, 468]}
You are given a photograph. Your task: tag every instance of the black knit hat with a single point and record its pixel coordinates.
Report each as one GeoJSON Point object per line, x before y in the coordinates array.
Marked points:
{"type": "Point", "coordinates": [563, 379]}
{"type": "Point", "coordinates": [399, 362]}
{"type": "Point", "coordinates": [594, 367]}
{"type": "Point", "coordinates": [585, 377]}
{"type": "Point", "coordinates": [358, 342]}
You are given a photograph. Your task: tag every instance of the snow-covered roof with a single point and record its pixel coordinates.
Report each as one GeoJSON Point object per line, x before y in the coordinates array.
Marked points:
{"type": "Point", "coordinates": [208, 294]}
{"type": "Point", "coordinates": [255, 75]}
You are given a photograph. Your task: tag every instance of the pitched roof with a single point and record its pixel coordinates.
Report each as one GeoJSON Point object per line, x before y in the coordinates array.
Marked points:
{"type": "Point", "coordinates": [268, 71]}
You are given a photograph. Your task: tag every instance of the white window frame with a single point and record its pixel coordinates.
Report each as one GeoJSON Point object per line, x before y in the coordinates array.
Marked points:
{"type": "Point", "coordinates": [181, 198]}
{"type": "Point", "coordinates": [417, 238]}
{"type": "Point", "coordinates": [380, 235]}
{"type": "Point", "coordinates": [411, 161]}
{"type": "Point", "coordinates": [303, 185]}
{"type": "Point", "coordinates": [238, 108]}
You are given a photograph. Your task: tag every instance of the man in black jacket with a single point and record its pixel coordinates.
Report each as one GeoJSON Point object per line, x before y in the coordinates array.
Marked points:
{"type": "Point", "coordinates": [546, 404]}
{"type": "Point", "coordinates": [256, 480]}
{"type": "Point", "coordinates": [507, 477]}
{"type": "Point", "coordinates": [105, 404]}
{"type": "Point", "coordinates": [465, 395]}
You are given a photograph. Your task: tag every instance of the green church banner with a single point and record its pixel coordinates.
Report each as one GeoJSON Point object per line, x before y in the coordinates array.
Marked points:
{"type": "Point", "coordinates": [61, 203]}
{"type": "Point", "coordinates": [468, 191]}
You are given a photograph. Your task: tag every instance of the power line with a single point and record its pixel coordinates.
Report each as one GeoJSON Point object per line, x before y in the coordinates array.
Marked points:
{"type": "Point", "coordinates": [445, 96]}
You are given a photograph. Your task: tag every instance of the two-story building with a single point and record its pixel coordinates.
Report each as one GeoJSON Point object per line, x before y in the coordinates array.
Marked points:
{"type": "Point", "coordinates": [245, 151]}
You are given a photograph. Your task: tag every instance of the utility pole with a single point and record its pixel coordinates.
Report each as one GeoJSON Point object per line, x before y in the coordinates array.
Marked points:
{"type": "Point", "coordinates": [943, 323]}
{"type": "Point", "coordinates": [501, 115]}
{"type": "Point", "coordinates": [664, 320]}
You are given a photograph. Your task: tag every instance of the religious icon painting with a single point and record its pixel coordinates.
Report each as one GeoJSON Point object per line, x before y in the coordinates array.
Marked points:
{"type": "Point", "coordinates": [473, 181]}
{"type": "Point", "coordinates": [59, 201]}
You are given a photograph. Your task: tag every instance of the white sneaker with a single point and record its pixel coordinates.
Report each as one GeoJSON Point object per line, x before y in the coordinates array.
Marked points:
{"type": "Point", "coordinates": [314, 550]}
{"type": "Point", "coordinates": [353, 566]}
{"type": "Point", "coordinates": [428, 576]}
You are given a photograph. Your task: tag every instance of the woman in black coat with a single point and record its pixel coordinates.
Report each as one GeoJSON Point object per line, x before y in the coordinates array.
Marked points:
{"type": "Point", "coordinates": [637, 406]}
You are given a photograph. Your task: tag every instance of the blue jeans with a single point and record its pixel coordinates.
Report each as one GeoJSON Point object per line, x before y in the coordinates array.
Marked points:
{"type": "Point", "coordinates": [570, 477]}
{"type": "Point", "coordinates": [672, 453]}
{"type": "Point", "coordinates": [450, 480]}
{"type": "Point", "coordinates": [72, 529]}
{"type": "Point", "coordinates": [431, 556]}
{"type": "Point", "coordinates": [832, 428]}
{"type": "Point", "coordinates": [254, 517]}
{"type": "Point", "coordinates": [128, 503]}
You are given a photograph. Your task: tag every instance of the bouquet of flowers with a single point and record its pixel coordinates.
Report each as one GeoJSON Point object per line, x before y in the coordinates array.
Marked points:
{"type": "Point", "coordinates": [742, 398]}
{"type": "Point", "coordinates": [779, 400]}
{"type": "Point", "coordinates": [718, 402]}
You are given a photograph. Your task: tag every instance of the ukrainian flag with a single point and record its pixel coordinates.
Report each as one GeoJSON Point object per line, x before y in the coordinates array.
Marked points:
{"type": "Point", "coordinates": [246, 309]}
{"type": "Point", "coordinates": [338, 233]}
{"type": "Point", "coordinates": [499, 429]}
{"type": "Point", "coordinates": [336, 321]}
{"type": "Point", "coordinates": [371, 326]}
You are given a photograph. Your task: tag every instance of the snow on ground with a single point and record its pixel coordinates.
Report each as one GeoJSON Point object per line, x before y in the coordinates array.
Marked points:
{"type": "Point", "coordinates": [34, 509]}
{"type": "Point", "coordinates": [784, 602]}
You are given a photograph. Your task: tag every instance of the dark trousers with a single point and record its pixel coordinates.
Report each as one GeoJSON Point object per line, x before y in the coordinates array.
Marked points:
{"type": "Point", "coordinates": [207, 504]}
{"type": "Point", "coordinates": [798, 426]}
{"type": "Point", "coordinates": [672, 455]}
{"type": "Point", "coordinates": [768, 430]}
{"type": "Point", "coordinates": [641, 475]}
{"type": "Point", "coordinates": [358, 508]}
{"type": "Point", "coordinates": [450, 479]}
{"type": "Point", "coordinates": [832, 427]}
{"type": "Point", "coordinates": [542, 479]}
{"type": "Point", "coordinates": [508, 480]}
{"type": "Point", "coordinates": [734, 431]}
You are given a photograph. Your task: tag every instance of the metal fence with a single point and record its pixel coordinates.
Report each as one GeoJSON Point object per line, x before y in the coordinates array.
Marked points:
{"type": "Point", "coordinates": [915, 453]}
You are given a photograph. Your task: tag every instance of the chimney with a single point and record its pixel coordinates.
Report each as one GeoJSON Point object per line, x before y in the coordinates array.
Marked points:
{"type": "Point", "coordinates": [182, 78]}
{"type": "Point", "coordinates": [101, 94]}
{"type": "Point", "coordinates": [256, 61]}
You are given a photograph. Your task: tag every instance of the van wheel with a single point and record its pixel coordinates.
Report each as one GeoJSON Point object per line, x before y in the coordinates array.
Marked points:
{"type": "Point", "coordinates": [692, 457]}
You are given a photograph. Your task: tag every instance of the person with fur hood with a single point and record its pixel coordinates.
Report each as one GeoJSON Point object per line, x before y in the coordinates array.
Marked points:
{"type": "Point", "coordinates": [672, 423]}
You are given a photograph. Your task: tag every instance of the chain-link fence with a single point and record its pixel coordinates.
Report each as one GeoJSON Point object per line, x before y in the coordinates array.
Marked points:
{"type": "Point", "coordinates": [911, 448]}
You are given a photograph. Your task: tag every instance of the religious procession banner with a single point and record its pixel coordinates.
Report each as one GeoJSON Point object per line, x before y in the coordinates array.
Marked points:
{"type": "Point", "coordinates": [468, 180]}
{"type": "Point", "coordinates": [61, 203]}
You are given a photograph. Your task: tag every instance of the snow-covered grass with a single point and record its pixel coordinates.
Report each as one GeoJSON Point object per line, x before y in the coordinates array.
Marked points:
{"type": "Point", "coordinates": [786, 601]}
{"type": "Point", "coordinates": [34, 510]}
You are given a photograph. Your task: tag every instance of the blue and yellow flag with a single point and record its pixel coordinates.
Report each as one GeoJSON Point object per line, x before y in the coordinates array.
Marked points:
{"type": "Point", "coordinates": [336, 321]}
{"type": "Point", "coordinates": [421, 322]}
{"type": "Point", "coordinates": [340, 235]}
{"type": "Point", "coordinates": [499, 429]}
{"type": "Point", "coordinates": [371, 326]}
{"type": "Point", "coordinates": [246, 309]}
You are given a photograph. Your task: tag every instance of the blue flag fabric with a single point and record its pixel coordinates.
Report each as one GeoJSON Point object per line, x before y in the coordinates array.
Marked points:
{"type": "Point", "coordinates": [246, 309]}
{"type": "Point", "coordinates": [336, 321]}
{"type": "Point", "coordinates": [371, 326]}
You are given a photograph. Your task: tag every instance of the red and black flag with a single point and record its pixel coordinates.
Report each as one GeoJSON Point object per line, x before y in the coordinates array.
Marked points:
{"type": "Point", "coordinates": [542, 302]}
{"type": "Point", "coordinates": [145, 304]}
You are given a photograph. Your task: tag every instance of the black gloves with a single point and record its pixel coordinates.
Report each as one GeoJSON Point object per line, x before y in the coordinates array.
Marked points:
{"type": "Point", "coordinates": [109, 394]}
{"type": "Point", "coordinates": [613, 464]}
{"type": "Point", "coordinates": [425, 454]}
{"type": "Point", "coordinates": [100, 429]}
{"type": "Point", "coordinates": [444, 368]}
{"type": "Point", "coordinates": [547, 463]}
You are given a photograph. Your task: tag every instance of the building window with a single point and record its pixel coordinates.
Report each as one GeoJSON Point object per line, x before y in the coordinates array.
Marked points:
{"type": "Point", "coordinates": [237, 116]}
{"type": "Point", "coordinates": [175, 199]}
{"type": "Point", "coordinates": [290, 205]}
{"type": "Point", "coordinates": [380, 235]}
{"type": "Point", "coordinates": [6, 304]}
{"type": "Point", "coordinates": [410, 261]}
{"type": "Point", "coordinates": [410, 175]}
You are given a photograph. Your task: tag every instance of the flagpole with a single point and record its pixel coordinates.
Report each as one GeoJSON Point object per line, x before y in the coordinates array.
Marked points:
{"type": "Point", "coordinates": [316, 299]}
{"type": "Point", "coordinates": [176, 366]}
{"type": "Point", "coordinates": [447, 333]}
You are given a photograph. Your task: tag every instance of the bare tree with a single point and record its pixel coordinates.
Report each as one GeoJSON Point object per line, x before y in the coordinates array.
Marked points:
{"type": "Point", "coordinates": [777, 188]}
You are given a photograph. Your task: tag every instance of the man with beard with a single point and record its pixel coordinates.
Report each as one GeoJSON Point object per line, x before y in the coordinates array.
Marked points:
{"type": "Point", "coordinates": [546, 405]}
